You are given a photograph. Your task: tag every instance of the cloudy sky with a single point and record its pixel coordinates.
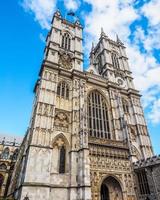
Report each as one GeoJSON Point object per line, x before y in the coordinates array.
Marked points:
{"type": "Point", "coordinates": [25, 24]}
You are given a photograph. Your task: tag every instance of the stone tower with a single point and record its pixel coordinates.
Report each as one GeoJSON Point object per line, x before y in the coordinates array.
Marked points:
{"type": "Point", "coordinates": [86, 128]}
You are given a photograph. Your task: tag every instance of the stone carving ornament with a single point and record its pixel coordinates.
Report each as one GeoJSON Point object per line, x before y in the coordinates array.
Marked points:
{"type": "Point", "coordinates": [61, 120]}
{"type": "Point", "coordinates": [65, 61]}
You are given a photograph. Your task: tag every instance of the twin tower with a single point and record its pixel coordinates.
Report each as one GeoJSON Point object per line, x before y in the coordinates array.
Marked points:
{"type": "Point", "coordinates": [87, 127]}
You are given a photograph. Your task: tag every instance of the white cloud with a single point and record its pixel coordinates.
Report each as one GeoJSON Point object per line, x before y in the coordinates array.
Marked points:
{"type": "Point", "coordinates": [109, 15]}
{"type": "Point", "coordinates": [42, 10]}
{"type": "Point", "coordinates": [151, 11]}
{"type": "Point", "coordinates": [42, 37]}
{"type": "Point", "coordinates": [154, 116]}
{"type": "Point", "coordinates": [149, 39]}
{"type": "Point", "coordinates": [72, 4]}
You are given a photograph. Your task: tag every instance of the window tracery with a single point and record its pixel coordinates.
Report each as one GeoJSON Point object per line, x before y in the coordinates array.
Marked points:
{"type": "Point", "coordinates": [5, 154]}
{"type": "Point", "coordinates": [66, 41]}
{"type": "Point", "coordinates": [143, 182]}
{"type": "Point", "coordinates": [98, 121]}
{"type": "Point", "coordinates": [125, 106]}
{"type": "Point", "coordinates": [63, 90]}
{"type": "Point", "coordinates": [115, 60]}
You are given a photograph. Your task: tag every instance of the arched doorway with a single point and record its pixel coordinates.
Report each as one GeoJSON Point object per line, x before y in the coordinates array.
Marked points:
{"type": "Point", "coordinates": [111, 189]}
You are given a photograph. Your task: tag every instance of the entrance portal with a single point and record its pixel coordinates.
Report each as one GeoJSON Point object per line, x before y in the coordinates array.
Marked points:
{"type": "Point", "coordinates": [111, 189]}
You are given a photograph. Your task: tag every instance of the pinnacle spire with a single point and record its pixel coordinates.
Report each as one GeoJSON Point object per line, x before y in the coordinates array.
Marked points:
{"type": "Point", "coordinates": [118, 40]}
{"type": "Point", "coordinates": [102, 33]}
{"type": "Point", "coordinates": [92, 49]}
{"type": "Point", "coordinates": [92, 54]}
{"type": "Point", "coordinates": [57, 13]}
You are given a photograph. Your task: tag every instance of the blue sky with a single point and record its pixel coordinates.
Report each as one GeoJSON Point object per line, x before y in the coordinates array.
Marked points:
{"type": "Point", "coordinates": [24, 26]}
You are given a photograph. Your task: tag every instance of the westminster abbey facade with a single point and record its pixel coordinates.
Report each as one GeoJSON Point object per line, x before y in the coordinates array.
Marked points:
{"type": "Point", "coordinates": [87, 127]}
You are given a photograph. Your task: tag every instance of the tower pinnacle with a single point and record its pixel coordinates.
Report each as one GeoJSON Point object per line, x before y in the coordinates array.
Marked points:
{"type": "Point", "coordinates": [102, 32]}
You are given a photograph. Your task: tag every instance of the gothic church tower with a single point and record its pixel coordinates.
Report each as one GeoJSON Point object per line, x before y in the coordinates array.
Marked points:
{"type": "Point", "coordinates": [86, 128]}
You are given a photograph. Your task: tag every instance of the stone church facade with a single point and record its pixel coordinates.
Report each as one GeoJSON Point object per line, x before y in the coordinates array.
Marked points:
{"type": "Point", "coordinates": [87, 127]}
{"type": "Point", "coordinates": [8, 156]}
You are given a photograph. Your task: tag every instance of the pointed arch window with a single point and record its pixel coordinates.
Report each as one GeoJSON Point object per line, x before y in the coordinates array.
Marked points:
{"type": "Point", "coordinates": [125, 106]}
{"type": "Point", "coordinates": [98, 121]}
{"type": "Point", "coordinates": [115, 60]}
{"type": "Point", "coordinates": [66, 41]}
{"type": "Point", "coordinates": [5, 154]}
{"type": "Point", "coordinates": [62, 158]}
{"type": "Point", "coordinates": [63, 90]}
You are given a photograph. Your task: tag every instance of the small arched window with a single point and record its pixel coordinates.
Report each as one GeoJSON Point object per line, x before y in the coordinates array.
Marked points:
{"type": "Point", "coordinates": [62, 158]}
{"type": "Point", "coordinates": [66, 41]}
{"type": "Point", "coordinates": [125, 106]}
{"type": "Point", "coordinates": [98, 121]}
{"type": "Point", "coordinates": [115, 60]}
{"type": "Point", "coordinates": [63, 90]}
{"type": "Point", "coordinates": [5, 154]}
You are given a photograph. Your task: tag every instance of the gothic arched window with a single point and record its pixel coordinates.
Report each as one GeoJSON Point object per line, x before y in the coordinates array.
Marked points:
{"type": "Point", "coordinates": [98, 121]}
{"type": "Point", "coordinates": [62, 158]}
{"type": "Point", "coordinates": [63, 90]}
{"type": "Point", "coordinates": [5, 154]}
{"type": "Point", "coordinates": [125, 106]}
{"type": "Point", "coordinates": [115, 60]}
{"type": "Point", "coordinates": [66, 41]}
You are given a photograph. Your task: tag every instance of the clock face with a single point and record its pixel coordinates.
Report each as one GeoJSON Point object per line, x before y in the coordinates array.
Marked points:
{"type": "Point", "coordinates": [121, 82]}
{"type": "Point", "coordinates": [65, 61]}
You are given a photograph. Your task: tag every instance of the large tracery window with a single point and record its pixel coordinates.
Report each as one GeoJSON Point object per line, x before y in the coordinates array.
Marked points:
{"type": "Point", "coordinates": [66, 41]}
{"type": "Point", "coordinates": [63, 90]}
{"type": "Point", "coordinates": [98, 122]}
